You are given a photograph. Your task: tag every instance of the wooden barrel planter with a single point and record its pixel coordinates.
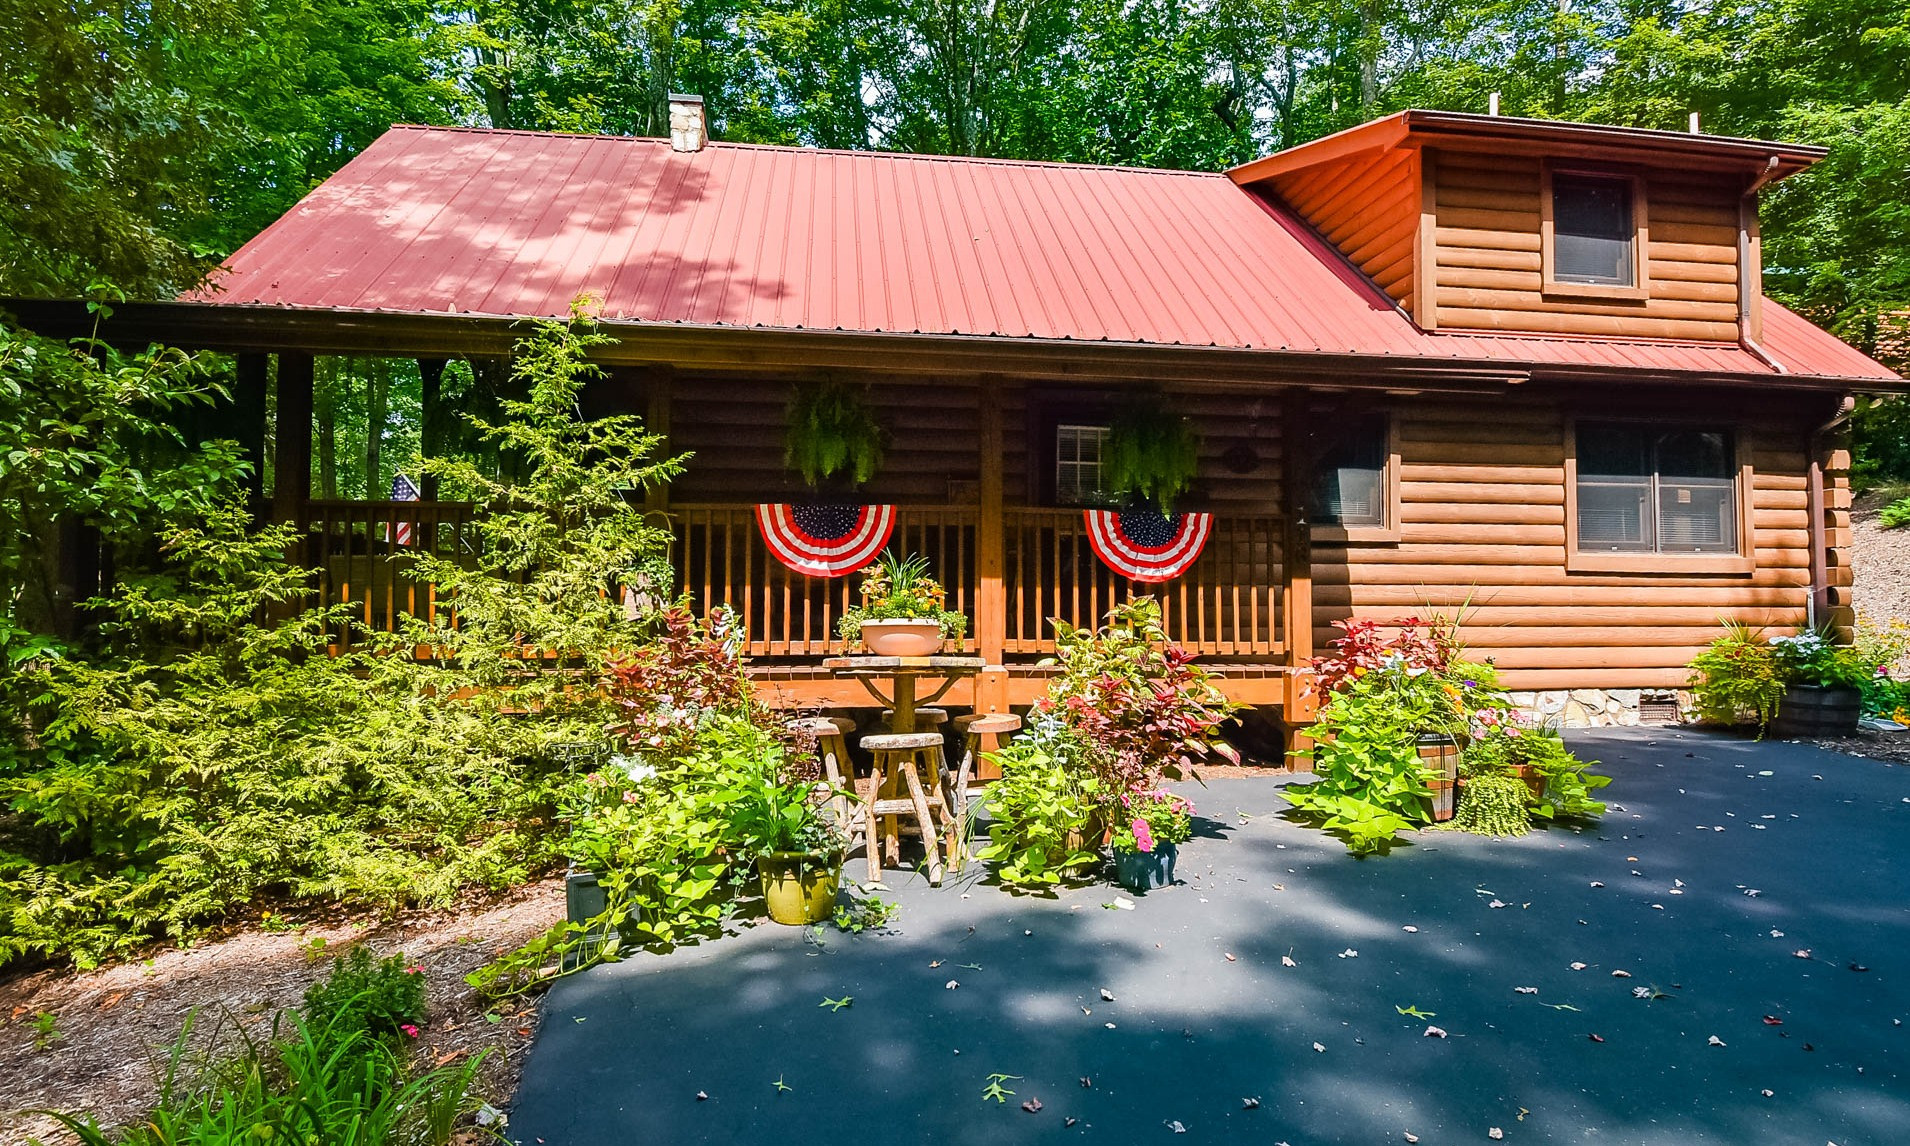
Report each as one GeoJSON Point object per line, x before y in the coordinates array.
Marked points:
{"type": "Point", "coordinates": [1440, 753]}
{"type": "Point", "coordinates": [1810, 710]}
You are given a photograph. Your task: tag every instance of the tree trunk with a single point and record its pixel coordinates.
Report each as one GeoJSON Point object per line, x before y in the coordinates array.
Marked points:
{"type": "Point", "coordinates": [377, 379]}
{"type": "Point", "coordinates": [326, 401]}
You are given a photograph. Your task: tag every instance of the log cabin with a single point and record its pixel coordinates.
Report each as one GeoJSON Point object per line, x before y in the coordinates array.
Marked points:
{"type": "Point", "coordinates": [1515, 370]}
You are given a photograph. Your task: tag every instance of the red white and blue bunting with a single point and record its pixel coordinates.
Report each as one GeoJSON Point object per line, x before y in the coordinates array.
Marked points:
{"type": "Point", "coordinates": [1145, 545]}
{"type": "Point", "coordinates": [825, 540]}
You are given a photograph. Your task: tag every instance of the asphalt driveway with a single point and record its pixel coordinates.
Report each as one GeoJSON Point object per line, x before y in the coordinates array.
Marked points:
{"type": "Point", "coordinates": [1754, 894]}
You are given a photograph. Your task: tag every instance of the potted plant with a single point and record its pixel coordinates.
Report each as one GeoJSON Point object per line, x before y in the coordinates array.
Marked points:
{"type": "Point", "coordinates": [787, 826]}
{"type": "Point", "coordinates": [1737, 677]}
{"type": "Point", "coordinates": [832, 440]}
{"type": "Point", "coordinates": [1046, 810]}
{"type": "Point", "coordinates": [1152, 454]}
{"type": "Point", "coordinates": [1147, 838]}
{"type": "Point", "coordinates": [901, 613]}
{"type": "Point", "coordinates": [1823, 685]}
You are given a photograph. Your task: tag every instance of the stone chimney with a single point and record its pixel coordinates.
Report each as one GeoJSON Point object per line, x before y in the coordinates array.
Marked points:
{"type": "Point", "coordinates": [689, 131]}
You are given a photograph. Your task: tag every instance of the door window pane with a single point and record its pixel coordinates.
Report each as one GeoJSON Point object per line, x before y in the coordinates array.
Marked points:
{"type": "Point", "coordinates": [1647, 490]}
{"type": "Point", "coordinates": [1593, 232]}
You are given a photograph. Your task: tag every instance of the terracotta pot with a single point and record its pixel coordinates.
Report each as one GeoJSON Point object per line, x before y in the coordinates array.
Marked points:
{"type": "Point", "coordinates": [902, 638]}
{"type": "Point", "coordinates": [1534, 781]}
{"type": "Point", "coordinates": [800, 888]}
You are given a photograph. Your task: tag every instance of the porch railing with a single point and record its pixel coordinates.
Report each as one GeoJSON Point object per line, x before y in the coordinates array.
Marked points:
{"type": "Point", "coordinates": [721, 560]}
{"type": "Point", "coordinates": [1227, 605]}
{"type": "Point", "coordinates": [361, 550]}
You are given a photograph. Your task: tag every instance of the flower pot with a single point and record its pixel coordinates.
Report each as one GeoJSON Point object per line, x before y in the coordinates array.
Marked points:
{"type": "Point", "coordinates": [1143, 871]}
{"type": "Point", "coordinates": [904, 637]}
{"type": "Point", "coordinates": [1091, 836]}
{"type": "Point", "coordinates": [799, 887]}
{"type": "Point", "coordinates": [1812, 710]}
{"type": "Point", "coordinates": [1534, 781]}
{"type": "Point", "coordinates": [1440, 753]}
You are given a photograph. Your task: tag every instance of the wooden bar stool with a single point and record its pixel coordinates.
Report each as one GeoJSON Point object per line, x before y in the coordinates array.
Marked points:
{"type": "Point", "coordinates": [897, 756]}
{"type": "Point", "coordinates": [925, 718]}
{"type": "Point", "coordinates": [972, 730]}
{"type": "Point", "coordinates": [832, 748]}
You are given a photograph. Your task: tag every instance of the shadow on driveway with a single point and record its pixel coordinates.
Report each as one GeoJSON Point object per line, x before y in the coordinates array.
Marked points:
{"type": "Point", "coordinates": [1205, 1014]}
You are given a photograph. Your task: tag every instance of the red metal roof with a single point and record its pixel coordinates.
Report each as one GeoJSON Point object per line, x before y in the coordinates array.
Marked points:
{"type": "Point", "coordinates": [517, 224]}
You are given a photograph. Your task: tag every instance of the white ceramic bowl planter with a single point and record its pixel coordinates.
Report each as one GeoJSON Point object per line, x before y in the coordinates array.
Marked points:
{"type": "Point", "coordinates": [903, 637]}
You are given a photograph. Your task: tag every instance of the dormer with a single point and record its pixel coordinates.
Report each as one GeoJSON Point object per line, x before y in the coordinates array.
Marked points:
{"type": "Point", "coordinates": [1489, 223]}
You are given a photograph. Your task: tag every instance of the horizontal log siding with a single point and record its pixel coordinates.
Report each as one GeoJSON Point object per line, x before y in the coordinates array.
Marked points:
{"type": "Point", "coordinates": [1483, 529]}
{"type": "Point", "coordinates": [734, 427]}
{"type": "Point", "coordinates": [1368, 207]}
{"type": "Point", "coordinates": [1489, 275]}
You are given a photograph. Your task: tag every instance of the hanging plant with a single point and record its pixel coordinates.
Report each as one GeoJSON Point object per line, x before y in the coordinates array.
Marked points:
{"type": "Point", "coordinates": [831, 435]}
{"type": "Point", "coordinates": [1152, 454]}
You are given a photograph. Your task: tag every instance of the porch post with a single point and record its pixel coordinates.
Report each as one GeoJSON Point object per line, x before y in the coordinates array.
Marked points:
{"type": "Point", "coordinates": [292, 461]}
{"type": "Point", "coordinates": [248, 419]}
{"type": "Point", "coordinates": [991, 557]}
{"type": "Point", "coordinates": [1296, 556]}
{"type": "Point", "coordinates": [431, 428]}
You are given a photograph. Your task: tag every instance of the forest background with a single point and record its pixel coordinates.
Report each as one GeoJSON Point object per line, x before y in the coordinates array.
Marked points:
{"type": "Point", "coordinates": [141, 141]}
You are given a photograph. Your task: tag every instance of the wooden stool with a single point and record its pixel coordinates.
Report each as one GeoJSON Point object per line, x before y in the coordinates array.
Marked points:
{"type": "Point", "coordinates": [971, 729]}
{"type": "Point", "coordinates": [896, 755]}
{"type": "Point", "coordinates": [925, 718]}
{"type": "Point", "coordinates": [832, 748]}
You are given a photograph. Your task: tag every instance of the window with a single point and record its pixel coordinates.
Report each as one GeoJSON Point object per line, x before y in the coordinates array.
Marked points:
{"type": "Point", "coordinates": [1350, 481]}
{"type": "Point", "coordinates": [1651, 489]}
{"type": "Point", "coordinates": [1077, 465]}
{"type": "Point", "coordinates": [1594, 230]}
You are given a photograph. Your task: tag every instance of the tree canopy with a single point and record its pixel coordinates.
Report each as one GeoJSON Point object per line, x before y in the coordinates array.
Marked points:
{"type": "Point", "coordinates": [146, 140]}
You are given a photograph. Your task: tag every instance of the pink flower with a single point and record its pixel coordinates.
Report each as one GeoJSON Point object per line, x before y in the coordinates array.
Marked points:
{"type": "Point", "coordinates": [1511, 731]}
{"type": "Point", "coordinates": [415, 969]}
{"type": "Point", "coordinates": [1143, 838]}
{"type": "Point", "coordinates": [408, 1029]}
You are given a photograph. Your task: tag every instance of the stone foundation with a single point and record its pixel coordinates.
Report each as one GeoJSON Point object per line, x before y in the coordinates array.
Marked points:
{"type": "Point", "coordinates": [1586, 707]}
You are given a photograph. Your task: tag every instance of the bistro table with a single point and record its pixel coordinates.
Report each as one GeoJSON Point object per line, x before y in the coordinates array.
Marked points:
{"type": "Point", "coordinates": [902, 673]}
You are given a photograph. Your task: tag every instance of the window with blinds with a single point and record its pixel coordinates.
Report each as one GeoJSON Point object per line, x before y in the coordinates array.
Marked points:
{"type": "Point", "coordinates": [1647, 489]}
{"type": "Point", "coordinates": [1077, 465]}
{"type": "Point", "coordinates": [1349, 474]}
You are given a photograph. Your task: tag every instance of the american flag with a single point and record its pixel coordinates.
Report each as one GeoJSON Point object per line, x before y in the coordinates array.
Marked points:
{"type": "Point", "coordinates": [402, 489]}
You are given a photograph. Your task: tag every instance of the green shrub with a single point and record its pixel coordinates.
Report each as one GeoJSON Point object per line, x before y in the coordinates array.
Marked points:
{"type": "Point", "coordinates": [1895, 515]}
{"type": "Point", "coordinates": [1493, 806]}
{"type": "Point", "coordinates": [1503, 742]}
{"type": "Point", "coordinates": [206, 752]}
{"type": "Point", "coordinates": [365, 995]}
{"type": "Point", "coordinates": [1048, 792]}
{"type": "Point", "coordinates": [1737, 677]}
{"type": "Point", "coordinates": [299, 1087]}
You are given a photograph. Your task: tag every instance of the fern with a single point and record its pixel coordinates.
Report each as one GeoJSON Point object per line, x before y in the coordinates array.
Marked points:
{"type": "Point", "coordinates": [1895, 515]}
{"type": "Point", "coordinates": [832, 433]}
{"type": "Point", "coordinates": [1152, 453]}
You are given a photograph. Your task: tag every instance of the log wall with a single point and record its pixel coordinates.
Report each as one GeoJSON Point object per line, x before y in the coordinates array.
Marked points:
{"type": "Point", "coordinates": [1483, 534]}
{"type": "Point", "coordinates": [1482, 524]}
{"type": "Point", "coordinates": [1487, 254]}
{"type": "Point", "coordinates": [1368, 207]}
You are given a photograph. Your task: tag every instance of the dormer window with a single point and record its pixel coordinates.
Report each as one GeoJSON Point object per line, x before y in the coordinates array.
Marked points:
{"type": "Point", "coordinates": [1593, 234]}
{"type": "Point", "coordinates": [1593, 231]}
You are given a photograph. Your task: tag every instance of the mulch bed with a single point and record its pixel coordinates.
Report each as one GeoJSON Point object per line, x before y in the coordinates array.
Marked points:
{"type": "Point", "coordinates": [115, 1025]}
